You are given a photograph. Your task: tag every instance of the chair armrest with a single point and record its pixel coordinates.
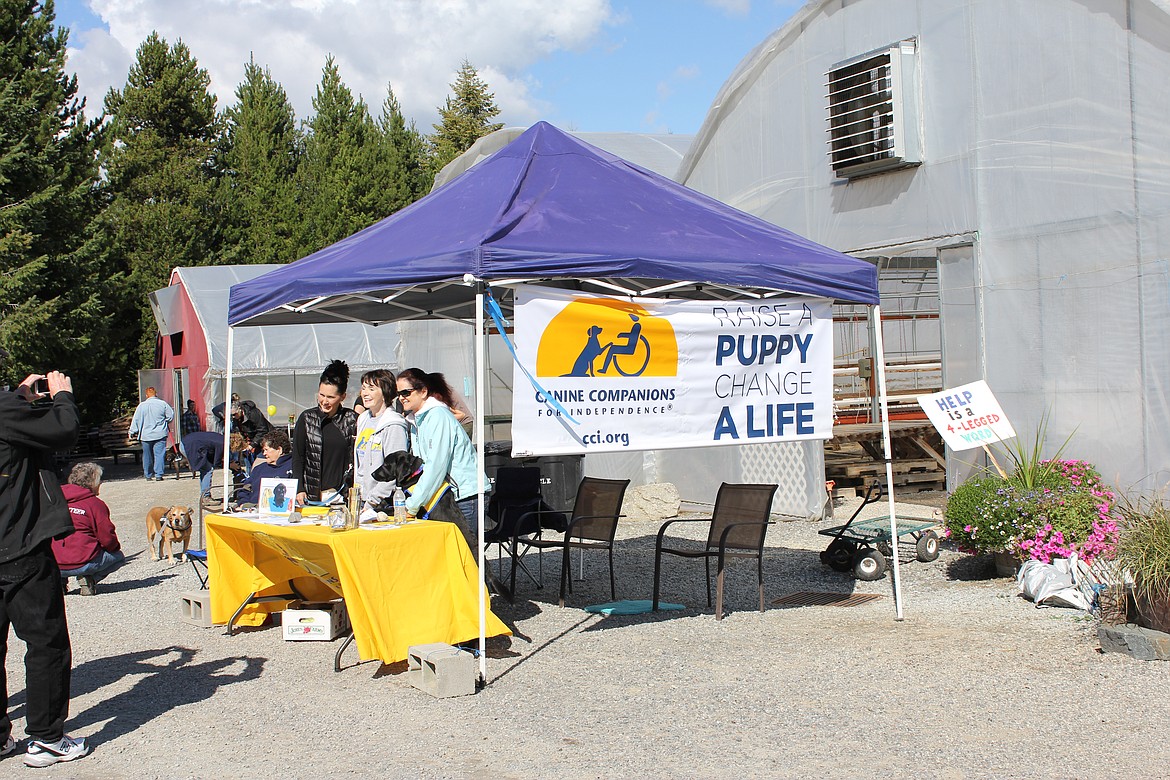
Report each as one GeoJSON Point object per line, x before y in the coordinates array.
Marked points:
{"type": "Point", "coordinates": [538, 511]}
{"type": "Point", "coordinates": [574, 520]}
{"type": "Point", "coordinates": [727, 530]}
{"type": "Point", "coordinates": [669, 523]}
{"type": "Point", "coordinates": [527, 506]}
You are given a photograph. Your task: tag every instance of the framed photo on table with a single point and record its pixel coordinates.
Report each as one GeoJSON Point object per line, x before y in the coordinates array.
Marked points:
{"type": "Point", "coordinates": [277, 499]}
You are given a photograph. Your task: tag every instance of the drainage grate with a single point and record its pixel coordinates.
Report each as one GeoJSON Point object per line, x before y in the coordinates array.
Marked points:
{"type": "Point", "coordinates": [809, 598]}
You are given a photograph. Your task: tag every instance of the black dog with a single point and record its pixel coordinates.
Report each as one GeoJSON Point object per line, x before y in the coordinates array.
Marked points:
{"type": "Point", "coordinates": [406, 470]}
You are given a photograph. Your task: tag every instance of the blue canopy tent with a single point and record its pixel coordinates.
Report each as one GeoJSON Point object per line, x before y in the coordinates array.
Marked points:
{"type": "Point", "coordinates": [549, 209]}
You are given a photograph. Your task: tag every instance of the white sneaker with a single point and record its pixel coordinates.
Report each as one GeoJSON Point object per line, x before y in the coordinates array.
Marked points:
{"type": "Point", "coordinates": [9, 747]}
{"type": "Point", "coordinates": [48, 753]}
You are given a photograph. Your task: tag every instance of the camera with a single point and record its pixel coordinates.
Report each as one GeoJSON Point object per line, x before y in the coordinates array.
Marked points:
{"type": "Point", "coordinates": [41, 386]}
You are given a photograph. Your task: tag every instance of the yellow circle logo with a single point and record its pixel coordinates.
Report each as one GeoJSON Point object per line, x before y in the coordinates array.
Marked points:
{"type": "Point", "coordinates": [600, 337]}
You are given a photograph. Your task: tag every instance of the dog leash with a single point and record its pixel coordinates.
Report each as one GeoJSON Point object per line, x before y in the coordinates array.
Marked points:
{"type": "Point", "coordinates": [435, 499]}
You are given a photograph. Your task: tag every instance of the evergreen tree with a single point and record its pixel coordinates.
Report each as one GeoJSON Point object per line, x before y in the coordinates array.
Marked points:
{"type": "Point", "coordinates": [349, 177]}
{"type": "Point", "coordinates": [56, 289]}
{"type": "Point", "coordinates": [466, 116]}
{"type": "Point", "coordinates": [261, 151]}
{"type": "Point", "coordinates": [165, 210]}
{"type": "Point", "coordinates": [409, 148]}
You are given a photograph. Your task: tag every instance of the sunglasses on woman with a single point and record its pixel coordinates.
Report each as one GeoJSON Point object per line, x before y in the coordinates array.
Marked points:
{"type": "Point", "coordinates": [405, 393]}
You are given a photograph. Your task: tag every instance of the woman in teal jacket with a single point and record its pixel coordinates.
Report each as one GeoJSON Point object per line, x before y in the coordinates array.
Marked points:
{"type": "Point", "coordinates": [447, 454]}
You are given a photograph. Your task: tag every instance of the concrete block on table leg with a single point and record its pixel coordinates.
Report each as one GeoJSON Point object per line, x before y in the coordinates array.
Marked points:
{"type": "Point", "coordinates": [196, 607]}
{"type": "Point", "coordinates": [441, 670]}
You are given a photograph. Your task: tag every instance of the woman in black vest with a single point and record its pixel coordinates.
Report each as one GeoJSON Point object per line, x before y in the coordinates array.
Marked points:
{"type": "Point", "coordinates": [323, 438]}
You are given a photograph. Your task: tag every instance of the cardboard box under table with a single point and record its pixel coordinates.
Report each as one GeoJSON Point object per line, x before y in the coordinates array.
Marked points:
{"type": "Point", "coordinates": [409, 585]}
{"type": "Point", "coordinates": [308, 621]}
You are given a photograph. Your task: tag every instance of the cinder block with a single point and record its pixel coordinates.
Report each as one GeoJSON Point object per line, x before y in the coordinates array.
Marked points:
{"type": "Point", "coordinates": [196, 606]}
{"type": "Point", "coordinates": [441, 670]}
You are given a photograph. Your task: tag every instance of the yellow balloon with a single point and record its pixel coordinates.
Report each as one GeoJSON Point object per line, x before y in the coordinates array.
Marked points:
{"type": "Point", "coordinates": [271, 409]}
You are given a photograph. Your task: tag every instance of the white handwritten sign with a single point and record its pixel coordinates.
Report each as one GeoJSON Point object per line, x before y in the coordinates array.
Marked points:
{"type": "Point", "coordinates": [967, 416]}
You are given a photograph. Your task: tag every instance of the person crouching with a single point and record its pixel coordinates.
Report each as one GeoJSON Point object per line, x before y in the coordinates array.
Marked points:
{"type": "Point", "coordinates": [92, 551]}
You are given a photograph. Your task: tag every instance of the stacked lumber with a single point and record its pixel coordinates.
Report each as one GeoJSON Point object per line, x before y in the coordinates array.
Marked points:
{"type": "Point", "coordinates": [115, 438]}
{"type": "Point", "coordinates": [854, 457]}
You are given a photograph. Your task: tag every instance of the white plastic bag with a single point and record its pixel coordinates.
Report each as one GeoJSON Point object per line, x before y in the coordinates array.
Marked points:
{"type": "Point", "coordinates": [1052, 584]}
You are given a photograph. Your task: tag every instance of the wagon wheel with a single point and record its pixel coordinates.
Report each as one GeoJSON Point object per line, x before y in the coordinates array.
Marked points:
{"type": "Point", "coordinates": [838, 556]}
{"type": "Point", "coordinates": [869, 564]}
{"type": "Point", "coordinates": [926, 548]}
{"type": "Point", "coordinates": [884, 548]}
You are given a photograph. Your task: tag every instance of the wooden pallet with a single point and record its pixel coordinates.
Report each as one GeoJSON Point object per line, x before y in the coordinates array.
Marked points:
{"type": "Point", "coordinates": [115, 439]}
{"type": "Point", "coordinates": [852, 467]}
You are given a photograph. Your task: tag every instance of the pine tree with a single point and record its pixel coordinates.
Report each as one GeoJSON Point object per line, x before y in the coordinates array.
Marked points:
{"type": "Point", "coordinates": [410, 149]}
{"type": "Point", "coordinates": [466, 116]}
{"type": "Point", "coordinates": [261, 150]}
{"type": "Point", "coordinates": [349, 177]}
{"type": "Point", "coordinates": [165, 211]}
{"type": "Point", "coordinates": [56, 289]}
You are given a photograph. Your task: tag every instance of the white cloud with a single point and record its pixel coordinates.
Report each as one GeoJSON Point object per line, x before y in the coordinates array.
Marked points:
{"type": "Point", "coordinates": [414, 45]}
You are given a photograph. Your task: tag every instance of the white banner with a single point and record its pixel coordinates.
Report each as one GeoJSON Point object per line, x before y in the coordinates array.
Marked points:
{"type": "Point", "coordinates": [967, 416]}
{"type": "Point", "coordinates": [642, 373]}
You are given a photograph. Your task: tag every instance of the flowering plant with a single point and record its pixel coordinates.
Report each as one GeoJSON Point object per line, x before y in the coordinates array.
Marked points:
{"type": "Point", "coordinates": [1066, 510]}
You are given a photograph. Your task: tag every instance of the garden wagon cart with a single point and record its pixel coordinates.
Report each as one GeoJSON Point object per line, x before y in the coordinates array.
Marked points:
{"type": "Point", "coordinates": [864, 545]}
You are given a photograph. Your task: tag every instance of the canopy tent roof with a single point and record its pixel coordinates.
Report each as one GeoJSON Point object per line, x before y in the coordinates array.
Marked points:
{"type": "Point", "coordinates": [548, 208]}
{"type": "Point", "coordinates": [301, 348]}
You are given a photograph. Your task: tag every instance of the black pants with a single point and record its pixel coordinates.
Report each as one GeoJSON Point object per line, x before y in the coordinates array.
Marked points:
{"type": "Point", "coordinates": [32, 602]}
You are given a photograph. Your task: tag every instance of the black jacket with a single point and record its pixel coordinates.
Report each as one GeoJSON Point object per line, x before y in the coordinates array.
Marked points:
{"type": "Point", "coordinates": [32, 507]}
{"type": "Point", "coordinates": [313, 468]}
{"type": "Point", "coordinates": [254, 425]}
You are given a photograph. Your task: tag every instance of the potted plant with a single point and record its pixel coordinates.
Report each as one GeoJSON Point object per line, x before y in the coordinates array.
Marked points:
{"type": "Point", "coordinates": [1143, 550]}
{"type": "Point", "coordinates": [1044, 508]}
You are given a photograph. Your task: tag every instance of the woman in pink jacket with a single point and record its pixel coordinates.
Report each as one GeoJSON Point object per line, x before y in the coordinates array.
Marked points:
{"type": "Point", "coordinates": [92, 551]}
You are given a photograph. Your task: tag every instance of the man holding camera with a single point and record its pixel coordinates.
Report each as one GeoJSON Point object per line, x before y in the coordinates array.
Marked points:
{"type": "Point", "coordinates": [33, 511]}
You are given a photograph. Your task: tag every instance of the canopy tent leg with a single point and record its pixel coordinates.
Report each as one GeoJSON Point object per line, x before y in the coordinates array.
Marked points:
{"type": "Point", "coordinates": [480, 363]}
{"type": "Point", "coordinates": [227, 419]}
{"type": "Point", "coordinates": [880, 360]}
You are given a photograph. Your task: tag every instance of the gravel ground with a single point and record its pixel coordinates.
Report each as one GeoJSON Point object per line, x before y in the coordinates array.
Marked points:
{"type": "Point", "coordinates": [973, 683]}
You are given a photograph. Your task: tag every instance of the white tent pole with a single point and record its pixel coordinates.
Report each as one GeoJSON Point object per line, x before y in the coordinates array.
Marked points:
{"type": "Point", "coordinates": [480, 367]}
{"type": "Point", "coordinates": [227, 418]}
{"type": "Point", "coordinates": [880, 359]}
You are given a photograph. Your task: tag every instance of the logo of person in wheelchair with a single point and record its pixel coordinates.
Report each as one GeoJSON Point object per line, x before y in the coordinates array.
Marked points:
{"type": "Point", "coordinates": [604, 338]}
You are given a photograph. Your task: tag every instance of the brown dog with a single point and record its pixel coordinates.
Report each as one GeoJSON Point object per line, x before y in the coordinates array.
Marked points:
{"type": "Point", "coordinates": [166, 525]}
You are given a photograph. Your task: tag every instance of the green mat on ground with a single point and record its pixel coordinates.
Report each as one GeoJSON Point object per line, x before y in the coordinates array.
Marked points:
{"type": "Point", "coordinates": [631, 607]}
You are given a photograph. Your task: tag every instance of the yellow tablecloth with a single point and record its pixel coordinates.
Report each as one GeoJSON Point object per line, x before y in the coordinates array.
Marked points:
{"type": "Point", "coordinates": [404, 586]}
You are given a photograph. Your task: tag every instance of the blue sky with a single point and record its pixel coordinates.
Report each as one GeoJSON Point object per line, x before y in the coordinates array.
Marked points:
{"type": "Point", "coordinates": [587, 65]}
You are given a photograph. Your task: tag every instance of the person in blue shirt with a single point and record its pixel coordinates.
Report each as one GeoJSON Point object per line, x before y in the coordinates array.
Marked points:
{"type": "Point", "coordinates": [151, 426]}
{"type": "Point", "coordinates": [276, 463]}
{"type": "Point", "coordinates": [205, 454]}
{"type": "Point", "coordinates": [447, 453]}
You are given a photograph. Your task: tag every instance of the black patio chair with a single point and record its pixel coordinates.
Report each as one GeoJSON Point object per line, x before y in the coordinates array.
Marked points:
{"type": "Point", "coordinates": [593, 524]}
{"type": "Point", "coordinates": [739, 523]}
{"type": "Point", "coordinates": [520, 515]}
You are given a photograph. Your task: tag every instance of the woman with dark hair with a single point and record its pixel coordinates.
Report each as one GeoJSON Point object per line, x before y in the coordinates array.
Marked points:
{"type": "Point", "coordinates": [323, 438]}
{"type": "Point", "coordinates": [446, 451]}
{"type": "Point", "coordinates": [381, 430]}
{"type": "Point", "coordinates": [438, 388]}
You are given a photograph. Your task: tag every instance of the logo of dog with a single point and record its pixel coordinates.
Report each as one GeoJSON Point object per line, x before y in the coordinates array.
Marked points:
{"type": "Point", "coordinates": [601, 337]}
{"type": "Point", "coordinates": [164, 527]}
